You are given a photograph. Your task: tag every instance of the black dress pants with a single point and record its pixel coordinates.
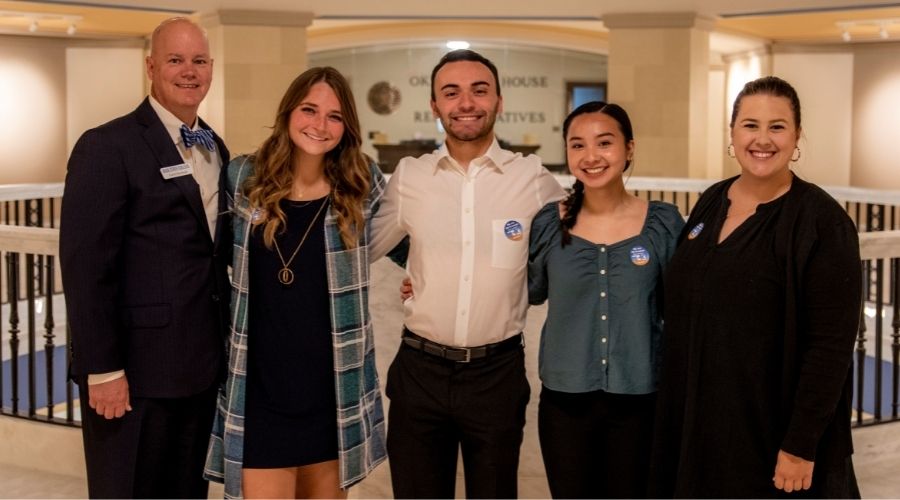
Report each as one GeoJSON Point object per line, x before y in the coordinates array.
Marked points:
{"type": "Point", "coordinates": [439, 406]}
{"type": "Point", "coordinates": [596, 444]}
{"type": "Point", "coordinates": [157, 450]}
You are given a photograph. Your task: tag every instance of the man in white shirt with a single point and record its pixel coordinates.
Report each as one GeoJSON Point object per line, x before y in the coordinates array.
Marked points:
{"type": "Point", "coordinates": [144, 253]}
{"type": "Point", "coordinates": [459, 377]}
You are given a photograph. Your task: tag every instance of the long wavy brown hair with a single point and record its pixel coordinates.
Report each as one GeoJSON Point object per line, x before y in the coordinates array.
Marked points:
{"type": "Point", "coordinates": [346, 167]}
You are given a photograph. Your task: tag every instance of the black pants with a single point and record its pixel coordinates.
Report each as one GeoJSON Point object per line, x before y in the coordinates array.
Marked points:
{"type": "Point", "coordinates": [157, 450]}
{"type": "Point", "coordinates": [438, 406]}
{"type": "Point", "coordinates": [596, 444]}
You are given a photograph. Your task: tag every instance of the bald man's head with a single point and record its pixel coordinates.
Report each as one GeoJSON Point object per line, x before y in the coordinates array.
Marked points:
{"type": "Point", "coordinates": [179, 67]}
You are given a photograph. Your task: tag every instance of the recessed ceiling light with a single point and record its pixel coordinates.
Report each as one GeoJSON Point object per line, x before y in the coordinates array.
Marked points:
{"type": "Point", "coordinates": [457, 44]}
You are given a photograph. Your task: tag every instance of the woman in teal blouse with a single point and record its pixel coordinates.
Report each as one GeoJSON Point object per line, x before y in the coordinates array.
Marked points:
{"type": "Point", "coordinates": [598, 257]}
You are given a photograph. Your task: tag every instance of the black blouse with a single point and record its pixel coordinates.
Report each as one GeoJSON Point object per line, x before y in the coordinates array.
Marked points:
{"type": "Point", "coordinates": [757, 350]}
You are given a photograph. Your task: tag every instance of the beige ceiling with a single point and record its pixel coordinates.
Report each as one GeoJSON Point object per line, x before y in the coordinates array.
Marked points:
{"type": "Point", "coordinates": [94, 22]}
{"type": "Point", "coordinates": [820, 27]}
{"type": "Point", "coordinates": [806, 27]}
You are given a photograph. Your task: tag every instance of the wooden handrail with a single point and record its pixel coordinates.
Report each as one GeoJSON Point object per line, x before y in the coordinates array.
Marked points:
{"type": "Point", "coordinates": [33, 240]}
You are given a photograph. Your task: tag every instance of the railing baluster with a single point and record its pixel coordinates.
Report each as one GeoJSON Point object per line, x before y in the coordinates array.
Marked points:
{"type": "Point", "coordinates": [879, 332]}
{"type": "Point", "coordinates": [34, 217]}
{"type": "Point", "coordinates": [12, 294]}
{"type": "Point", "coordinates": [861, 359]}
{"type": "Point", "coordinates": [29, 298]}
{"type": "Point", "coordinates": [49, 336]}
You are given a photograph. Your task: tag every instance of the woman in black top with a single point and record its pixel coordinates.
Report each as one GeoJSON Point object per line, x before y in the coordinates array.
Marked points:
{"type": "Point", "coordinates": [762, 307]}
{"type": "Point", "coordinates": [302, 204]}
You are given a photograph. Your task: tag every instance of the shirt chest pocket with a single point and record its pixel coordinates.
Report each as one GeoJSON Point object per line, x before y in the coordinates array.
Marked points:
{"type": "Point", "coordinates": [509, 243]}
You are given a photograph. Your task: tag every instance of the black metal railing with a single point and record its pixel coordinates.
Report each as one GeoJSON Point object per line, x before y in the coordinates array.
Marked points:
{"type": "Point", "coordinates": [31, 205]}
{"type": "Point", "coordinates": [33, 370]}
{"type": "Point", "coordinates": [33, 347]}
{"type": "Point", "coordinates": [33, 382]}
{"type": "Point", "coordinates": [877, 373]}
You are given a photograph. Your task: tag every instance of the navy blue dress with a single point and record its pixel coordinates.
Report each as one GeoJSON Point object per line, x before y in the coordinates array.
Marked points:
{"type": "Point", "coordinates": [291, 416]}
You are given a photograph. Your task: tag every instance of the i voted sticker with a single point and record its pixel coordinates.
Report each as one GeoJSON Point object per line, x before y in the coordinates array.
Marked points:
{"type": "Point", "coordinates": [640, 256]}
{"type": "Point", "coordinates": [257, 215]}
{"type": "Point", "coordinates": [513, 230]}
{"type": "Point", "coordinates": [179, 170]}
{"type": "Point", "coordinates": [696, 231]}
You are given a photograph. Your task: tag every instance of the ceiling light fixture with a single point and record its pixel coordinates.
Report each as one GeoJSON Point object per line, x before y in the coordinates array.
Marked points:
{"type": "Point", "coordinates": [457, 44]}
{"type": "Point", "coordinates": [862, 27]}
{"type": "Point", "coordinates": [44, 20]}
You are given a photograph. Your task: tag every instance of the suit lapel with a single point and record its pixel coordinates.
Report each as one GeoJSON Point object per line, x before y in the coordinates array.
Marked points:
{"type": "Point", "coordinates": [166, 153]}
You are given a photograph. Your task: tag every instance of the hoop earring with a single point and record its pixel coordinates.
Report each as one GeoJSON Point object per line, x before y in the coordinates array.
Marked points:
{"type": "Point", "coordinates": [730, 150]}
{"type": "Point", "coordinates": [797, 150]}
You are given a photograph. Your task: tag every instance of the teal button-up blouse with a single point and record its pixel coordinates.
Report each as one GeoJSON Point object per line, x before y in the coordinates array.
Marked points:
{"type": "Point", "coordinates": [604, 320]}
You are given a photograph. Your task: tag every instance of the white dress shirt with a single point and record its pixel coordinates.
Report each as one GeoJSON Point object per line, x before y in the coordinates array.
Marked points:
{"type": "Point", "coordinates": [468, 241]}
{"type": "Point", "coordinates": [205, 164]}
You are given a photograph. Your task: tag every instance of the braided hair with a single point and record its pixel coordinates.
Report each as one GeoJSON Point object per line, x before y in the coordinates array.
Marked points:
{"type": "Point", "coordinates": [572, 204]}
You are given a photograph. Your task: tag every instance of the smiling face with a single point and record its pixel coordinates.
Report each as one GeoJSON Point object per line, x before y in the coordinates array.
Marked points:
{"type": "Point", "coordinates": [764, 135]}
{"type": "Point", "coordinates": [596, 150]}
{"type": "Point", "coordinates": [316, 125]}
{"type": "Point", "coordinates": [180, 68]}
{"type": "Point", "coordinates": [466, 101]}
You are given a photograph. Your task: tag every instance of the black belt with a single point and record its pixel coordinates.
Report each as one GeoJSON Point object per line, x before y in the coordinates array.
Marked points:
{"type": "Point", "coordinates": [460, 354]}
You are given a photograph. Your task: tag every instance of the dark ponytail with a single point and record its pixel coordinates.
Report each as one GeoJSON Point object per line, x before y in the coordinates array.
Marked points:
{"type": "Point", "coordinates": [572, 205]}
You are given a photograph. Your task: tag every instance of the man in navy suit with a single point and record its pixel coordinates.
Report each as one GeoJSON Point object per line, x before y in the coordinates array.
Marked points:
{"type": "Point", "coordinates": [144, 246]}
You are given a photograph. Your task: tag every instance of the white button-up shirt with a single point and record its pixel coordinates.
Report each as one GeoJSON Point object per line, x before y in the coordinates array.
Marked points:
{"type": "Point", "coordinates": [205, 164]}
{"type": "Point", "coordinates": [468, 233]}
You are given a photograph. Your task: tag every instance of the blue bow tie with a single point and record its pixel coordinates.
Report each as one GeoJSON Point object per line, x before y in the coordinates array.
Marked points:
{"type": "Point", "coordinates": [201, 135]}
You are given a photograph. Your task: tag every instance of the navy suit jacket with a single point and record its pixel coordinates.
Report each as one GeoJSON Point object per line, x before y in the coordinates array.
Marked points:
{"type": "Point", "coordinates": [146, 286]}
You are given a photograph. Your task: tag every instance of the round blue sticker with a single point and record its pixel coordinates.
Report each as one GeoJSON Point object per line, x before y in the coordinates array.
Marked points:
{"type": "Point", "coordinates": [257, 215]}
{"type": "Point", "coordinates": [696, 231]}
{"type": "Point", "coordinates": [640, 256]}
{"type": "Point", "coordinates": [513, 230]}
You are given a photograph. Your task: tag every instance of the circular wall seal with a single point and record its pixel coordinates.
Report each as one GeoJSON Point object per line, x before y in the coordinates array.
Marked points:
{"type": "Point", "coordinates": [384, 98]}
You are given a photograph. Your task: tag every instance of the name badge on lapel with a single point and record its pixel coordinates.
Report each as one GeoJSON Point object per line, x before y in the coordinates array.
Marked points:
{"type": "Point", "coordinates": [179, 170]}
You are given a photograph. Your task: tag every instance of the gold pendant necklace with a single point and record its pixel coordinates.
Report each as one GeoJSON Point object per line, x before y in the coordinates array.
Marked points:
{"type": "Point", "coordinates": [285, 274]}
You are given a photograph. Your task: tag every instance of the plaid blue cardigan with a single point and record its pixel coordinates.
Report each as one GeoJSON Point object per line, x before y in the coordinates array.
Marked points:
{"type": "Point", "coordinates": [360, 417]}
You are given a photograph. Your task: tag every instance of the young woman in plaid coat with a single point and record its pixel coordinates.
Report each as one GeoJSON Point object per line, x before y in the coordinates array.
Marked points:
{"type": "Point", "coordinates": [300, 413]}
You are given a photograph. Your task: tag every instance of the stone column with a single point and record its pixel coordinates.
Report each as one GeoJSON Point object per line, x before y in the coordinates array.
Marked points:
{"type": "Point", "coordinates": [659, 72]}
{"type": "Point", "coordinates": [256, 56]}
